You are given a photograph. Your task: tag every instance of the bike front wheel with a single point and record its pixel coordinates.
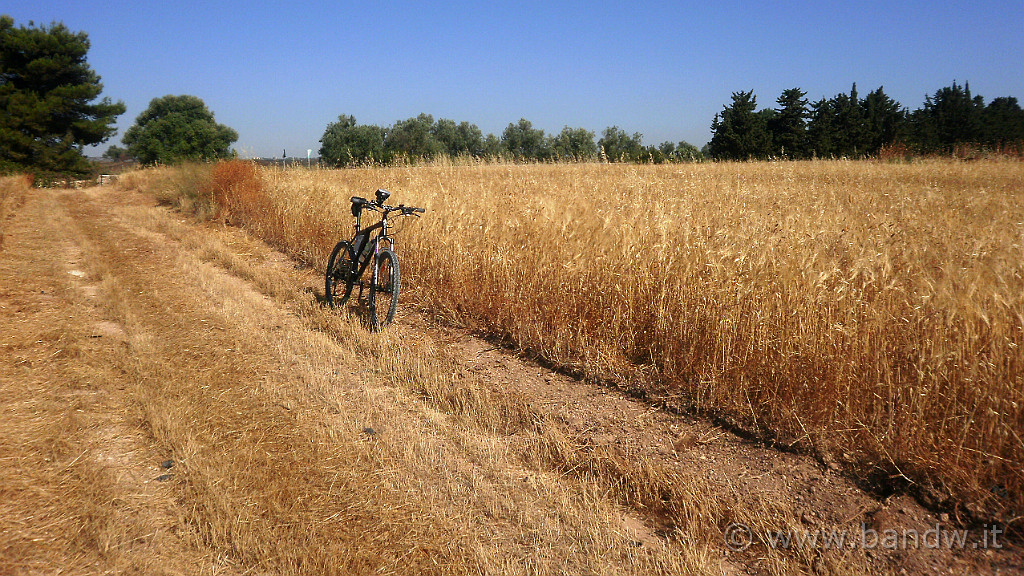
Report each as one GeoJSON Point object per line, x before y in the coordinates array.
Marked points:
{"type": "Point", "coordinates": [340, 275]}
{"type": "Point", "coordinates": [384, 288]}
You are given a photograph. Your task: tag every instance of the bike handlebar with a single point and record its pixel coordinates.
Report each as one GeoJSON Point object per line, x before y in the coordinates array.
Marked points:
{"type": "Point", "coordinates": [405, 210]}
{"type": "Point", "coordinates": [379, 206]}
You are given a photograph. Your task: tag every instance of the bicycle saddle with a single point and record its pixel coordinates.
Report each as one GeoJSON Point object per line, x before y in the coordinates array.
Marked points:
{"type": "Point", "coordinates": [357, 205]}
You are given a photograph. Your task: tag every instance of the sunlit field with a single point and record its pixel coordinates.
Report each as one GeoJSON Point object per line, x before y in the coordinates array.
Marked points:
{"type": "Point", "coordinates": [12, 189]}
{"type": "Point", "coordinates": [869, 313]}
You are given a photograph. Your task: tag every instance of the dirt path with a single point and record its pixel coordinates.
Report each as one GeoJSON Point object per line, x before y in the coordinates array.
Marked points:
{"type": "Point", "coordinates": [174, 400]}
{"type": "Point", "coordinates": [83, 488]}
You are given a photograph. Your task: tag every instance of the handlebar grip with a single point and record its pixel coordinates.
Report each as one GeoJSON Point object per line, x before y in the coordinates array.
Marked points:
{"type": "Point", "coordinates": [420, 210]}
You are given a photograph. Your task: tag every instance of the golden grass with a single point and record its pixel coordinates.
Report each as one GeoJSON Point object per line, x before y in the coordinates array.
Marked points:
{"type": "Point", "coordinates": [871, 312]}
{"type": "Point", "coordinates": [228, 365]}
{"type": "Point", "coordinates": [470, 475]}
{"type": "Point", "coordinates": [268, 419]}
{"type": "Point", "coordinates": [185, 187]}
{"type": "Point", "coordinates": [12, 192]}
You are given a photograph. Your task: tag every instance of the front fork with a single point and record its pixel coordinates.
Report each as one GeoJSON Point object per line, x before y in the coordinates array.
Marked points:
{"type": "Point", "coordinates": [373, 273]}
{"type": "Point", "coordinates": [373, 261]}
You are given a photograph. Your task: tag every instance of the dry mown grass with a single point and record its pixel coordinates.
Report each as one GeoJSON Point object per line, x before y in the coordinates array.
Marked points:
{"type": "Point", "coordinates": [870, 312]}
{"type": "Point", "coordinates": [70, 498]}
{"type": "Point", "coordinates": [12, 191]}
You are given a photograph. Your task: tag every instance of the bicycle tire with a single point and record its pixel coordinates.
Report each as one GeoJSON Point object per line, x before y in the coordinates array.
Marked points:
{"type": "Point", "coordinates": [384, 288]}
{"type": "Point", "coordinates": [340, 275]}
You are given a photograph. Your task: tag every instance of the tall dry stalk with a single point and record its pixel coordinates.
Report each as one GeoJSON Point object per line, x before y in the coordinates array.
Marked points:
{"type": "Point", "coordinates": [12, 191]}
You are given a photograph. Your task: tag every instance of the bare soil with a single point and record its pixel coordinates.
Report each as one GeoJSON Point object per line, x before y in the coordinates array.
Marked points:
{"type": "Point", "coordinates": [90, 483]}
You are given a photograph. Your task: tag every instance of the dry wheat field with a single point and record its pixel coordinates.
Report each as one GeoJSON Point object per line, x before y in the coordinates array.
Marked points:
{"type": "Point", "coordinates": [174, 397]}
{"type": "Point", "coordinates": [869, 313]}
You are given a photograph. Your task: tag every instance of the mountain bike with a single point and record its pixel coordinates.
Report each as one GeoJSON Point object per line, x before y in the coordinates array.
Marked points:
{"type": "Point", "coordinates": [350, 259]}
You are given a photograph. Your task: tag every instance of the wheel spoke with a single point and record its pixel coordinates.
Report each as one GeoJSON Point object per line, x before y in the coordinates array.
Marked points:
{"type": "Point", "coordinates": [338, 277]}
{"type": "Point", "coordinates": [384, 290]}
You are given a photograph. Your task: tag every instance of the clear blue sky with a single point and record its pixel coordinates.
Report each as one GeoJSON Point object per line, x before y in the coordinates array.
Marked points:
{"type": "Point", "coordinates": [279, 72]}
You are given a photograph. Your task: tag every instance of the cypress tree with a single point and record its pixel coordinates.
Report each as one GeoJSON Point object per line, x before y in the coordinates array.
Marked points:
{"type": "Point", "coordinates": [950, 117]}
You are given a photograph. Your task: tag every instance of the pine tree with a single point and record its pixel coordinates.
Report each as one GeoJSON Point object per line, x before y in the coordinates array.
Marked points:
{"type": "Point", "coordinates": [1003, 122]}
{"type": "Point", "coordinates": [821, 129]}
{"type": "Point", "coordinates": [47, 90]}
{"type": "Point", "coordinates": [178, 128]}
{"type": "Point", "coordinates": [789, 125]}
{"type": "Point", "coordinates": [740, 133]}
{"type": "Point", "coordinates": [884, 120]}
{"type": "Point", "coordinates": [950, 117]}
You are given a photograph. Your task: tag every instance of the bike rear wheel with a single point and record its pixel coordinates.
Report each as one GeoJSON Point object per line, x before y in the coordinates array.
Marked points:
{"type": "Point", "coordinates": [340, 275]}
{"type": "Point", "coordinates": [383, 301]}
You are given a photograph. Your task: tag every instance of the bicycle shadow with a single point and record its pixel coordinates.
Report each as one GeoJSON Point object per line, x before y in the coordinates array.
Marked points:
{"type": "Point", "coordinates": [356, 308]}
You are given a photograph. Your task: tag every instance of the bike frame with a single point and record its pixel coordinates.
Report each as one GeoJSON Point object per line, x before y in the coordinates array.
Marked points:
{"type": "Point", "coordinates": [362, 262]}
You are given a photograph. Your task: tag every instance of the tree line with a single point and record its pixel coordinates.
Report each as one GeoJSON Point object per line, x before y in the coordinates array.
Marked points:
{"type": "Point", "coordinates": [347, 143]}
{"type": "Point", "coordinates": [844, 126]}
{"type": "Point", "coordinates": [51, 109]}
{"type": "Point", "coordinates": [849, 126]}
{"type": "Point", "coordinates": [50, 112]}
